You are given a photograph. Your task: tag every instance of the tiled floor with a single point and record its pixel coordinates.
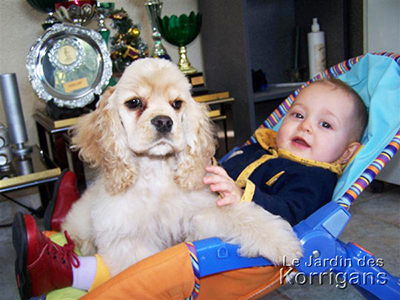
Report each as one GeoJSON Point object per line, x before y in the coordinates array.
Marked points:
{"type": "Point", "coordinates": [375, 225]}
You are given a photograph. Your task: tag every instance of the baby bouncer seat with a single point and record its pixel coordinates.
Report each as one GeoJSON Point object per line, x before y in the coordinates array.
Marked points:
{"type": "Point", "coordinates": [376, 77]}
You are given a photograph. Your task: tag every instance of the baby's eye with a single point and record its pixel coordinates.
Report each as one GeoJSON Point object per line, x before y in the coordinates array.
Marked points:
{"type": "Point", "coordinates": [298, 115]}
{"type": "Point", "coordinates": [134, 103]}
{"type": "Point", "coordinates": [326, 125]}
{"type": "Point", "coordinates": [177, 104]}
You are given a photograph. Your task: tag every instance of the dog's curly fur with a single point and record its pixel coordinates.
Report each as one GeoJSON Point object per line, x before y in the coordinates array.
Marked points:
{"type": "Point", "coordinates": [151, 142]}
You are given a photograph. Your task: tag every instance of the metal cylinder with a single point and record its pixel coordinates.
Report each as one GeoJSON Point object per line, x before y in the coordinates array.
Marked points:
{"type": "Point", "coordinates": [13, 108]}
{"type": "Point", "coordinates": [23, 166]}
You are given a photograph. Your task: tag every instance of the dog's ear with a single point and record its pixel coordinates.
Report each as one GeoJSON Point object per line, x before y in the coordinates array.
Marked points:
{"type": "Point", "coordinates": [200, 147]}
{"type": "Point", "coordinates": [101, 141]}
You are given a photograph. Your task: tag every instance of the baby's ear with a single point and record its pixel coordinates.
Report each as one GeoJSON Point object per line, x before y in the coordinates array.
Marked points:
{"type": "Point", "coordinates": [351, 150]}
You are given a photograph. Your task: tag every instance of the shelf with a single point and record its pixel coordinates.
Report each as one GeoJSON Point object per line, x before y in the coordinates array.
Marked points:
{"type": "Point", "coordinates": [28, 171]}
{"type": "Point", "coordinates": [276, 91]}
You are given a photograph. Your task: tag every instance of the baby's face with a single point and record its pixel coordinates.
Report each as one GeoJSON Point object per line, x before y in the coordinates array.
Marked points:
{"type": "Point", "coordinates": [318, 125]}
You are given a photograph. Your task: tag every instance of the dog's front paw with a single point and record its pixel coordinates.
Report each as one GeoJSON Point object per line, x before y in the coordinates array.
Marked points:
{"type": "Point", "coordinates": [287, 250]}
{"type": "Point", "coordinates": [279, 244]}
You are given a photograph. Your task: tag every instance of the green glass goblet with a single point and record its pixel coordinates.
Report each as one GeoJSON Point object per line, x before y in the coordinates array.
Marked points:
{"type": "Point", "coordinates": [181, 31]}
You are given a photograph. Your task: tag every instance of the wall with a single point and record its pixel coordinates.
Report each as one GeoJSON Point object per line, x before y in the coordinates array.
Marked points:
{"type": "Point", "coordinates": [383, 25]}
{"type": "Point", "coordinates": [383, 34]}
{"type": "Point", "coordinates": [21, 26]}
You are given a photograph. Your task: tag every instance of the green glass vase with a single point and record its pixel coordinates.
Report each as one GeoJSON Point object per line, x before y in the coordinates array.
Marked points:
{"type": "Point", "coordinates": [181, 31]}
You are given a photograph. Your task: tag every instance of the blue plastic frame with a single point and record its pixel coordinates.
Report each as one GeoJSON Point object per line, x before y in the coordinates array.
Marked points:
{"type": "Point", "coordinates": [319, 237]}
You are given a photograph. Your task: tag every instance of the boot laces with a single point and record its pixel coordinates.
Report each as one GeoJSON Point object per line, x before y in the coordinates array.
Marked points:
{"type": "Point", "coordinates": [66, 252]}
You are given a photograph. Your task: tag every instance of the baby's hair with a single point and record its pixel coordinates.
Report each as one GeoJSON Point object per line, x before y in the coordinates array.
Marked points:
{"type": "Point", "coordinates": [361, 113]}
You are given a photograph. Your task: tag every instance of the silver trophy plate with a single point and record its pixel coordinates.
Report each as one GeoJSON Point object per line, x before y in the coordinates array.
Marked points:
{"type": "Point", "coordinates": [70, 65]}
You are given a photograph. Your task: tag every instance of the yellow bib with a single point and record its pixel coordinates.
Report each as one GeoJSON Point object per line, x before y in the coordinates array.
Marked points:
{"type": "Point", "coordinates": [267, 139]}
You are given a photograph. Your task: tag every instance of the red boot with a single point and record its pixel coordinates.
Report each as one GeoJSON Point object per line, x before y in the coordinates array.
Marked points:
{"type": "Point", "coordinates": [41, 266]}
{"type": "Point", "coordinates": [65, 194]}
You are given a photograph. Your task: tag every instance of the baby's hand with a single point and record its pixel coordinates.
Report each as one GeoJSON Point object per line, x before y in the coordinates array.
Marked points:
{"type": "Point", "coordinates": [221, 183]}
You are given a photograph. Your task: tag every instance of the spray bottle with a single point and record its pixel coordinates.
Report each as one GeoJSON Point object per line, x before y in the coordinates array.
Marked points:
{"type": "Point", "coordinates": [316, 49]}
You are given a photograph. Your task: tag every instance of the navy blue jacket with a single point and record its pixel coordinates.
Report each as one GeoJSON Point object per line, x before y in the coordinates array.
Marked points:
{"type": "Point", "coordinates": [299, 192]}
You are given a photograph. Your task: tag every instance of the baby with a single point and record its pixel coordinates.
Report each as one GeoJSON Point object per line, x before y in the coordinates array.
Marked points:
{"type": "Point", "coordinates": [319, 135]}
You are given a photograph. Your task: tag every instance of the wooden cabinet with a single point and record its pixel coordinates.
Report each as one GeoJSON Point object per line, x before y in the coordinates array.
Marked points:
{"type": "Point", "coordinates": [239, 36]}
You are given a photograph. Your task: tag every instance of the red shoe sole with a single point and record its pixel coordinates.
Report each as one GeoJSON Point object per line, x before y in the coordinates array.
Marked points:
{"type": "Point", "coordinates": [20, 242]}
{"type": "Point", "coordinates": [50, 206]}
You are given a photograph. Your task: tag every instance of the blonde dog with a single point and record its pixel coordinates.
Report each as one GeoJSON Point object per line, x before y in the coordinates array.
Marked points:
{"type": "Point", "coordinates": [152, 142]}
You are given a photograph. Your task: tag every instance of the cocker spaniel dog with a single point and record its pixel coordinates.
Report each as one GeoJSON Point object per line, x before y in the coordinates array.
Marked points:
{"type": "Point", "coordinates": [152, 142]}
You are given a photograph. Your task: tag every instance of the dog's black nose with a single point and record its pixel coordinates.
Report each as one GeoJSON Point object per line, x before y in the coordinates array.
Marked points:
{"type": "Point", "coordinates": [163, 124]}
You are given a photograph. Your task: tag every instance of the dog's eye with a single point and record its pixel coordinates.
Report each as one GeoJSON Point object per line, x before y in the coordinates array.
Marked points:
{"type": "Point", "coordinates": [134, 103]}
{"type": "Point", "coordinates": [177, 104]}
